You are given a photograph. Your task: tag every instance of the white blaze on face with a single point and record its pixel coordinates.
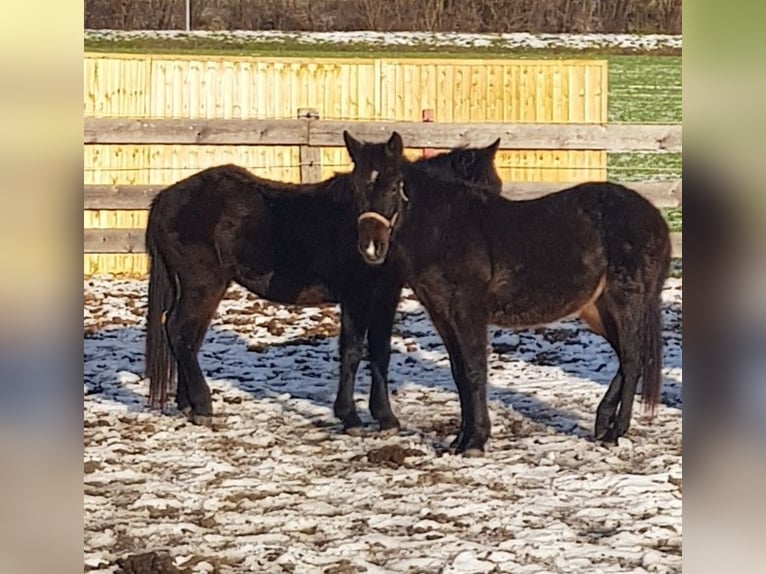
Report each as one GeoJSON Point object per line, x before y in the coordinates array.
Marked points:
{"type": "Point", "coordinates": [373, 176]}
{"type": "Point", "coordinates": [370, 249]}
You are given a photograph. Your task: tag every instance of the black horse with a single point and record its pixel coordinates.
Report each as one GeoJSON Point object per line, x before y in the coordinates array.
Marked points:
{"type": "Point", "coordinates": [288, 243]}
{"type": "Point", "coordinates": [597, 250]}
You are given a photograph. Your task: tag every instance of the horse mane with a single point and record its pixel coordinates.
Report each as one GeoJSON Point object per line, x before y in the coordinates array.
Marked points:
{"type": "Point", "coordinates": [337, 188]}
{"type": "Point", "coordinates": [463, 163]}
{"type": "Point", "coordinates": [434, 161]}
{"type": "Point", "coordinates": [449, 182]}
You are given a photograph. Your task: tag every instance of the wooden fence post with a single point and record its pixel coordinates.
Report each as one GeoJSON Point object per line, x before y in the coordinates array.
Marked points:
{"type": "Point", "coordinates": [309, 157]}
{"type": "Point", "coordinates": [427, 116]}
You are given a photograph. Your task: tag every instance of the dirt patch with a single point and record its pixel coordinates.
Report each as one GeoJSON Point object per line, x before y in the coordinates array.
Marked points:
{"type": "Point", "coordinates": [557, 335]}
{"type": "Point", "coordinates": [391, 456]}
{"type": "Point", "coordinates": [504, 348]}
{"type": "Point", "coordinates": [342, 567]}
{"type": "Point", "coordinates": [169, 512]}
{"type": "Point", "coordinates": [676, 482]}
{"type": "Point", "coordinates": [148, 563]}
{"type": "Point", "coordinates": [275, 327]}
{"type": "Point", "coordinates": [310, 338]}
{"type": "Point", "coordinates": [547, 359]}
{"type": "Point", "coordinates": [444, 427]}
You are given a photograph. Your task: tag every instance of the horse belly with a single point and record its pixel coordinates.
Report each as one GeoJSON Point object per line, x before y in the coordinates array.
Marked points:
{"type": "Point", "coordinates": [529, 304]}
{"type": "Point", "coordinates": [298, 291]}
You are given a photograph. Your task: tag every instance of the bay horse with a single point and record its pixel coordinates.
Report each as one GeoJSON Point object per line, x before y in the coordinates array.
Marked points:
{"type": "Point", "coordinates": [287, 243]}
{"type": "Point", "coordinates": [598, 250]}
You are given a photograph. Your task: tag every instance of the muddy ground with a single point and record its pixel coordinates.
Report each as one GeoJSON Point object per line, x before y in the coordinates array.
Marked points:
{"type": "Point", "coordinates": [275, 486]}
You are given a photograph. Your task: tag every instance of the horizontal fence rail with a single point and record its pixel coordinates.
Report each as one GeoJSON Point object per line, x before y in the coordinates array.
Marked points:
{"type": "Point", "coordinates": [661, 193]}
{"type": "Point", "coordinates": [317, 133]}
{"type": "Point", "coordinates": [132, 241]}
{"type": "Point", "coordinates": [310, 134]}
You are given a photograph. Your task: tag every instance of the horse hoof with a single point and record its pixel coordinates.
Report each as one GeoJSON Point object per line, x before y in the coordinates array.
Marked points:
{"type": "Point", "coordinates": [389, 427]}
{"type": "Point", "coordinates": [355, 431]}
{"type": "Point", "coordinates": [608, 437]}
{"type": "Point", "coordinates": [350, 420]}
{"type": "Point", "coordinates": [454, 446]}
{"type": "Point", "coordinates": [473, 452]}
{"type": "Point", "coordinates": [470, 445]}
{"type": "Point", "coordinates": [389, 431]}
{"type": "Point", "coordinates": [202, 420]}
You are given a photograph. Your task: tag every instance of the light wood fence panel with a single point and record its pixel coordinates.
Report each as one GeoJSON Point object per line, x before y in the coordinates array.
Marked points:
{"type": "Point", "coordinates": [208, 87]}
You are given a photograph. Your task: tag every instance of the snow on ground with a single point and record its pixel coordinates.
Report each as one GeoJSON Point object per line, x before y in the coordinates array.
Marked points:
{"type": "Point", "coordinates": [424, 39]}
{"type": "Point", "coordinates": [274, 485]}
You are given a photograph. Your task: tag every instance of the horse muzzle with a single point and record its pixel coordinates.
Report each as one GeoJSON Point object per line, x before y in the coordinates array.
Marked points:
{"type": "Point", "coordinates": [374, 233]}
{"type": "Point", "coordinates": [373, 252]}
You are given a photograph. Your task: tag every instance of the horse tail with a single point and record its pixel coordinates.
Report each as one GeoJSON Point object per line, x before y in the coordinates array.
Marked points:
{"type": "Point", "coordinates": [160, 364]}
{"type": "Point", "coordinates": [651, 385]}
{"type": "Point", "coordinates": [651, 376]}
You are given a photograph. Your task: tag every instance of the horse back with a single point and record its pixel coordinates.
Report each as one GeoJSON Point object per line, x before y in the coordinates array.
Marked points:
{"type": "Point", "coordinates": [561, 247]}
{"type": "Point", "coordinates": [205, 210]}
{"type": "Point", "coordinates": [633, 231]}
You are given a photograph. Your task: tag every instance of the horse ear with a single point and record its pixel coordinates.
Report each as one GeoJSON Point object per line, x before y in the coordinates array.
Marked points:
{"type": "Point", "coordinates": [394, 145]}
{"type": "Point", "coordinates": [492, 148]}
{"type": "Point", "coordinates": [353, 146]}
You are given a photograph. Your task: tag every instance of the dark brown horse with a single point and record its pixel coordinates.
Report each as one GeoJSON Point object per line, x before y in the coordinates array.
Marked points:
{"type": "Point", "coordinates": [597, 250]}
{"type": "Point", "coordinates": [288, 243]}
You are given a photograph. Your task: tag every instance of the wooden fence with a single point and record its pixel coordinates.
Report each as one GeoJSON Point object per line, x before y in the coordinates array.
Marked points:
{"type": "Point", "coordinates": [241, 87]}
{"type": "Point", "coordinates": [212, 87]}
{"type": "Point", "coordinates": [308, 135]}
{"type": "Point", "coordinates": [381, 89]}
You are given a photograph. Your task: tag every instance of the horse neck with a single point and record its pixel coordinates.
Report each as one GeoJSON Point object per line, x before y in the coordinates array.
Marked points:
{"type": "Point", "coordinates": [441, 201]}
{"type": "Point", "coordinates": [440, 165]}
{"type": "Point", "coordinates": [424, 206]}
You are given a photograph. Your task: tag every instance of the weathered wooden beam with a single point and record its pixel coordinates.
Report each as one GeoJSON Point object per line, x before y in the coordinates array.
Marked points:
{"type": "Point", "coordinates": [114, 241]}
{"type": "Point", "coordinates": [663, 194]}
{"type": "Point", "coordinates": [611, 137]}
{"type": "Point", "coordinates": [195, 132]}
{"type": "Point", "coordinates": [317, 133]}
{"type": "Point", "coordinates": [132, 241]}
{"type": "Point", "coordinates": [660, 193]}
{"type": "Point", "coordinates": [118, 197]}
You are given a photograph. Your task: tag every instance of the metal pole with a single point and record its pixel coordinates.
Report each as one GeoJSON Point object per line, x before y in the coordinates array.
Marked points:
{"type": "Point", "coordinates": [188, 15]}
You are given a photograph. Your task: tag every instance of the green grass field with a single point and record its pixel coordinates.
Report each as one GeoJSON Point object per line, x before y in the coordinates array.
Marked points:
{"type": "Point", "coordinates": [643, 88]}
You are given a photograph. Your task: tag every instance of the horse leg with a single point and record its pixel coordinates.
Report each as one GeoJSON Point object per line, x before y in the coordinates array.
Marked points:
{"type": "Point", "coordinates": [626, 331]}
{"type": "Point", "coordinates": [353, 325]}
{"type": "Point", "coordinates": [464, 334]}
{"type": "Point", "coordinates": [182, 392]}
{"type": "Point", "coordinates": [599, 318]}
{"type": "Point", "coordinates": [186, 325]}
{"type": "Point", "coordinates": [439, 322]}
{"type": "Point", "coordinates": [182, 396]}
{"type": "Point", "coordinates": [379, 339]}
{"type": "Point", "coordinates": [644, 356]}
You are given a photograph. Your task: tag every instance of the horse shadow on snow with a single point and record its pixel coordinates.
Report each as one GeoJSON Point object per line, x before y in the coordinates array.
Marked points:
{"type": "Point", "coordinates": [300, 372]}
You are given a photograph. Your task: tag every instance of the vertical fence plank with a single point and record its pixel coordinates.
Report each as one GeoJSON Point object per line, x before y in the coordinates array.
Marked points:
{"type": "Point", "coordinates": [310, 157]}
{"type": "Point", "coordinates": [428, 117]}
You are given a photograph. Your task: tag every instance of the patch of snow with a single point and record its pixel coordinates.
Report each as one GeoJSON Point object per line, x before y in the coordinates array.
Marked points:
{"type": "Point", "coordinates": [467, 561]}
{"type": "Point", "coordinates": [506, 41]}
